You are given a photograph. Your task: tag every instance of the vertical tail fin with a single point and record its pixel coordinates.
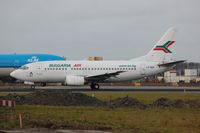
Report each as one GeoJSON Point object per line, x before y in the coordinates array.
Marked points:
{"type": "Point", "coordinates": [162, 51]}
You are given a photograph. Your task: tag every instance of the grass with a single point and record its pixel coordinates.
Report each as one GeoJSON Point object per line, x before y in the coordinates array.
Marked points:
{"type": "Point", "coordinates": [145, 97]}
{"type": "Point", "coordinates": [168, 120]}
{"type": "Point", "coordinates": [119, 120]}
{"type": "Point", "coordinates": [18, 93]}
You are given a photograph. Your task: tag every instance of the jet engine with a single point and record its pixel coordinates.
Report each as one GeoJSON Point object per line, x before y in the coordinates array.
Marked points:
{"type": "Point", "coordinates": [74, 80]}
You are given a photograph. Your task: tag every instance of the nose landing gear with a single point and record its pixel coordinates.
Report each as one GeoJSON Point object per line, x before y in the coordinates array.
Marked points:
{"type": "Point", "coordinates": [94, 86]}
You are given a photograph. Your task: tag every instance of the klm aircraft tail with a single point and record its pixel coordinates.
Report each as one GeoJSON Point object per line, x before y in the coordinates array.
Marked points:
{"type": "Point", "coordinates": [162, 51]}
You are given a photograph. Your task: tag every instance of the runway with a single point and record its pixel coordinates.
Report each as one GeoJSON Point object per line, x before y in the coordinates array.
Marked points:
{"type": "Point", "coordinates": [110, 89]}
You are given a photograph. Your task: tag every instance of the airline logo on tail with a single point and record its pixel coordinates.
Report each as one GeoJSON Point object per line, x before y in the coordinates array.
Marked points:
{"type": "Point", "coordinates": [164, 47]}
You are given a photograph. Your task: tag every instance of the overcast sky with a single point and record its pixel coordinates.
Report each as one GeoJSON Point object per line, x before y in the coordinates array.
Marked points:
{"type": "Point", "coordinates": [114, 29]}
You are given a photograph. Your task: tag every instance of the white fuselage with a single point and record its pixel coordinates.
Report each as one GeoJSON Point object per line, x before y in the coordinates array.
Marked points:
{"type": "Point", "coordinates": [157, 60]}
{"type": "Point", "coordinates": [56, 71]}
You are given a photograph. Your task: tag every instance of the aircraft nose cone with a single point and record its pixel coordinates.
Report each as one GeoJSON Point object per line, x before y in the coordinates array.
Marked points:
{"type": "Point", "coordinates": [15, 74]}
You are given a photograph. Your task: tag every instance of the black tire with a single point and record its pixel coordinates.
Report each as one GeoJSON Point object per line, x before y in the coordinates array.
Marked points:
{"type": "Point", "coordinates": [32, 86]}
{"type": "Point", "coordinates": [94, 86]}
{"type": "Point", "coordinates": [43, 84]}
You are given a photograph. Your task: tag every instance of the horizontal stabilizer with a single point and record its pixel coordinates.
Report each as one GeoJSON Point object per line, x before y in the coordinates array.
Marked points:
{"type": "Point", "coordinates": [171, 63]}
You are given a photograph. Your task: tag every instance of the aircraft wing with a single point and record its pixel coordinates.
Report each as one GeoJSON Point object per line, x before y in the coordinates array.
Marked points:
{"type": "Point", "coordinates": [102, 77]}
{"type": "Point", "coordinates": [171, 63]}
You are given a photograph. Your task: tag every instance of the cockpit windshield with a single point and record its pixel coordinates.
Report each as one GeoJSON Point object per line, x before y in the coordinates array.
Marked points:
{"type": "Point", "coordinates": [24, 68]}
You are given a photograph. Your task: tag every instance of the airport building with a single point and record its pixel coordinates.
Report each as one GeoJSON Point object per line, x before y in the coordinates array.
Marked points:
{"type": "Point", "coordinates": [188, 72]}
{"type": "Point", "coordinates": [190, 75]}
{"type": "Point", "coordinates": [95, 58]}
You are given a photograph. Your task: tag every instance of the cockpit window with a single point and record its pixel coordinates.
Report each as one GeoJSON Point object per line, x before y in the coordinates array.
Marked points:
{"type": "Point", "coordinates": [24, 68]}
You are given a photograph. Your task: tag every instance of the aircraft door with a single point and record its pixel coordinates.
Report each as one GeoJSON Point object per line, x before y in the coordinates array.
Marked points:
{"type": "Point", "coordinates": [142, 69]}
{"type": "Point", "coordinates": [39, 69]}
{"type": "Point", "coordinates": [68, 72]}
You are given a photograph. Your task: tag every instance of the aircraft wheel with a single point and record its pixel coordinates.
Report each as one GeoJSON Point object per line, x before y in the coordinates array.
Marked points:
{"type": "Point", "coordinates": [32, 86]}
{"type": "Point", "coordinates": [94, 86]}
{"type": "Point", "coordinates": [43, 84]}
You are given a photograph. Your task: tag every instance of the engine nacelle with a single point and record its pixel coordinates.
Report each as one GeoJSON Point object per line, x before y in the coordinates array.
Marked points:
{"type": "Point", "coordinates": [74, 80]}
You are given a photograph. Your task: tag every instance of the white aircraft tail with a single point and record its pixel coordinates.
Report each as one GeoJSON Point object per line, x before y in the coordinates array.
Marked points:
{"type": "Point", "coordinates": [162, 51]}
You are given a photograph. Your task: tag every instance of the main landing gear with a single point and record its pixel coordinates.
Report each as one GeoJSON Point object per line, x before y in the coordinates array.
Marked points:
{"type": "Point", "coordinates": [43, 84]}
{"type": "Point", "coordinates": [40, 84]}
{"type": "Point", "coordinates": [32, 86]}
{"type": "Point", "coordinates": [94, 86]}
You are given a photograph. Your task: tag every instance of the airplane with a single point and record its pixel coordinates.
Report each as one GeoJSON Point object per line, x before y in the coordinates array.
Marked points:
{"type": "Point", "coordinates": [78, 73]}
{"type": "Point", "coordinates": [11, 62]}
